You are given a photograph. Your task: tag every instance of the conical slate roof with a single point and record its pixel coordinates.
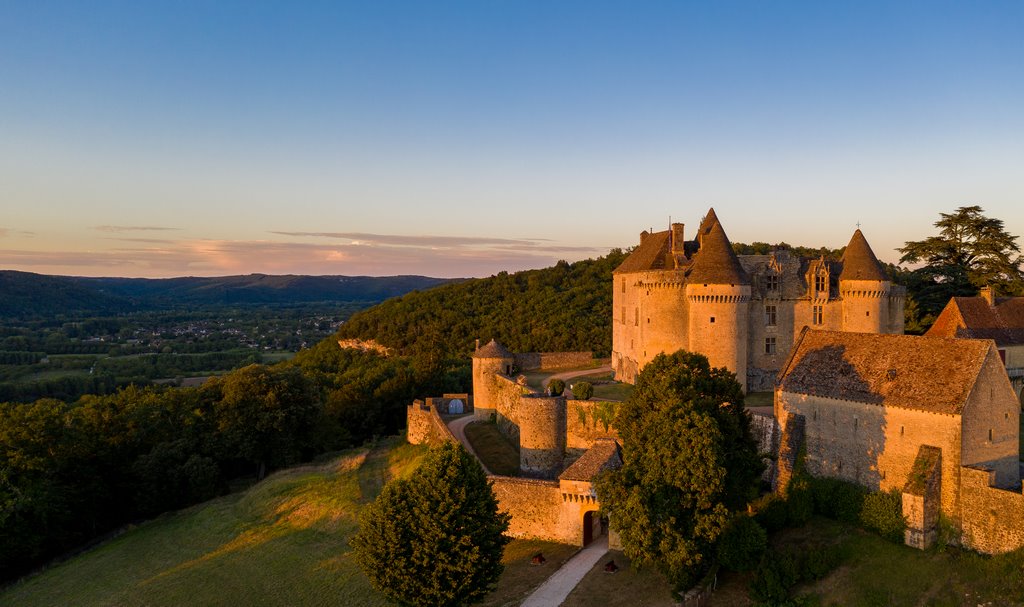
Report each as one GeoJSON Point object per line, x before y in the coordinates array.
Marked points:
{"type": "Point", "coordinates": [859, 261]}
{"type": "Point", "coordinates": [716, 262]}
{"type": "Point", "coordinates": [493, 350]}
{"type": "Point", "coordinates": [709, 220]}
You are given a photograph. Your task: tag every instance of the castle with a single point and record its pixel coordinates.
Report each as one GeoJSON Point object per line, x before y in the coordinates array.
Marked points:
{"type": "Point", "coordinates": [741, 311]}
{"type": "Point", "coordinates": [936, 418]}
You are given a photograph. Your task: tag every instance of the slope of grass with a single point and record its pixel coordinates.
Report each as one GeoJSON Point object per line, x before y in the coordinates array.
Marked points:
{"type": "Point", "coordinates": [494, 450]}
{"type": "Point", "coordinates": [282, 542]}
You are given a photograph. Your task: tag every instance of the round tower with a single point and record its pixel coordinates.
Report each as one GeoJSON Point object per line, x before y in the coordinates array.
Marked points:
{"type": "Point", "coordinates": [542, 429]}
{"type": "Point", "coordinates": [488, 361]}
{"type": "Point", "coordinates": [718, 295]}
{"type": "Point", "coordinates": [865, 289]}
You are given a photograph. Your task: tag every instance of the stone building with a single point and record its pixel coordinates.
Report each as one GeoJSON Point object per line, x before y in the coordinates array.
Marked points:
{"type": "Point", "coordinates": [742, 312]}
{"type": "Point", "coordinates": [935, 418]}
{"type": "Point", "coordinates": [1000, 319]}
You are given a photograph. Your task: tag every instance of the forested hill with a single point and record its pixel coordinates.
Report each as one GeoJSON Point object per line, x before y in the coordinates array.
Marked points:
{"type": "Point", "coordinates": [564, 307]}
{"type": "Point", "coordinates": [26, 294]}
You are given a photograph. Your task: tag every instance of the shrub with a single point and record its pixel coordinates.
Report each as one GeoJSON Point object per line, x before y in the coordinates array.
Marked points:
{"type": "Point", "coordinates": [837, 499]}
{"type": "Point", "coordinates": [770, 512]}
{"type": "Point", "coordinates": [779, 572]}
{"type": "Point", "coordinates": [556, 387]}
{"type": "Point", "coordinates": [742, 544]}
{"type": "Point", "coordinates": [799, 501]}
{"type": "Point", "coordinates": [883, 513]}
{"type": "Point", "coordinates": [582, 390]}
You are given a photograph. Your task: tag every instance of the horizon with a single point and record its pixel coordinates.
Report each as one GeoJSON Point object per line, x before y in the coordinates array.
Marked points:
{"type": "Point", "coordinates": [465, 139]}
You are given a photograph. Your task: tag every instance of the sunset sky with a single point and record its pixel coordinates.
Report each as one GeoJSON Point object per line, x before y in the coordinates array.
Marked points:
{"type": "Point", "coordinates": [464, 138]}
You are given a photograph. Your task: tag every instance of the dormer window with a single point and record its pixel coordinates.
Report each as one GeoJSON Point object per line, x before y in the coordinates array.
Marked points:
{"type": "Point", "coordinates": [821, 283]}
{"type": "Point", "coordinates": [771, 283]}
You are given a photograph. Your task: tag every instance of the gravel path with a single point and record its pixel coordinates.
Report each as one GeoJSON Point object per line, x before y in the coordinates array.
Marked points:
{"type": "Point", "coordinates": [458, 428]}
{"type": "Point", "coordinates": [552, 592]}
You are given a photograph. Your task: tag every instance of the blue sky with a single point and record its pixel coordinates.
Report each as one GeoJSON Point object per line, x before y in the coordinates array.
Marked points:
{"type": "Point", "coordinates": [457, 139]}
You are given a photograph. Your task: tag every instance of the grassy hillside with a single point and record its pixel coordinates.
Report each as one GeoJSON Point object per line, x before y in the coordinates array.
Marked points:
{"type": "Point", "coordinates": [282, 542]}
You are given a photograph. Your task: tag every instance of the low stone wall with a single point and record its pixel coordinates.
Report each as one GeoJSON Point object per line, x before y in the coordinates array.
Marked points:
{"type": "Point", "coordinates": [425, 426]}
{"type": "Point", "coordinates": [535, 506]}
{"type": "Point", "coordinates": [449, 404]}
{"type": "Point", "coordinates": [992, 519]}
{"type": "Point", "coordinates": [544, 361]}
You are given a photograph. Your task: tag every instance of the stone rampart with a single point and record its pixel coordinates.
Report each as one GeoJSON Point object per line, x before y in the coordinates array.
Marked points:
{"type": "Point", "coordinates": [452, 404]}
{"type": "Point", "coordinates": [587, 421]}
{"type": "Point", "coordinates": [992, 519]}
{"type": "Point", "coordinates": [507, 396]}
{"type": "Point", "coordinates": [535, 506]}
{"type": "Point", "coordinates": [541, 434]}
{"type": "Point", "coordinates": [425, 426]}
{"type": "Point", "coordinates": [543, 361]}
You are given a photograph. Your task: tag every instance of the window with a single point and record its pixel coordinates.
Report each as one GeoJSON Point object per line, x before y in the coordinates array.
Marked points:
{"type": "Point", "coordinates": [770, 316]}
{"type": "Point", "coordinates": [990, 435]}
{"type": "Point", "coordinates": [769, 345]}
{"type": "Point", "coordinates": [623, 316]}
{"type": "Point", "coordinates": [636, 318]}
{"type": "Point", "coordinates": [821, 283]}
{"type": "Point", "coordinates": [818, 315]}
{"type": "Point", "coordinates": [623, 285]}
{"type": "Point", "coordinates": [712, 319]}
{"type": "Point", "coordinates": [771, 283]}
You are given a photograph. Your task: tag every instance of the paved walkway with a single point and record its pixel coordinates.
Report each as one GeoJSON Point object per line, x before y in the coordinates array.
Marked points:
{"type": "Point", "coordinates": [458, 428]}
{"type": "Point", "coordinates": [552, 592]}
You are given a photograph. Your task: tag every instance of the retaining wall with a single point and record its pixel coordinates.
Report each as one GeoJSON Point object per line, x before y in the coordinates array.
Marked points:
{"type": "Point", "coordinates": [543, 361]}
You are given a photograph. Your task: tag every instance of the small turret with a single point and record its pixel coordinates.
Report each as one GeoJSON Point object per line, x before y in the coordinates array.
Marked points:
{"type": "Point", "coordinates": [865, 289]}
{"type": "Point", "coordinates": [489, 360]}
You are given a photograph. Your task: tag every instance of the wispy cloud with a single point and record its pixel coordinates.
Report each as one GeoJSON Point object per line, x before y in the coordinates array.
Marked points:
{"type": "Point", "coordinates": [375, 255]}
{"type": "Point", "coordinates": [414, 241]}
{"type": "Point", "coordinates": [134, 229]}
{"type": "Point", "coordinates": [5, 232]}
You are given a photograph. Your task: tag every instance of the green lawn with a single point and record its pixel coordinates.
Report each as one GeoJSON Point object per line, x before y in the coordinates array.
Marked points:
{"type": "Point", "coordinates": [625, 588]}
{"type": "Point", "coordinates": [494, 450]}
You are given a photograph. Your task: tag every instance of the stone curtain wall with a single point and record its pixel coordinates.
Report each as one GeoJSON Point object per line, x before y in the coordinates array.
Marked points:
{"type": "Point", "coordinates": [535, 506]}
{"type": "Point", "coordinates": [992, 519]}
{"type": "Point", "coordinates": [766, 432]}
{"type": "Point", "coordinates": [424, 425]}
{"type": "Point", "coordinates": [585, 423]}
{"type": "Point", "coordinates": [541, 435]}
{"type": "Point", "coordinates": [507, 396]}
{"type": "Point", "coordinates": [544, 361]}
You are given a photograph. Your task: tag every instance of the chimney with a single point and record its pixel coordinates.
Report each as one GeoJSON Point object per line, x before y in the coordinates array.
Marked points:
{"type": "Point", "coordinates": [989, 295]}
{"type": "Point", "coordinates": [643, 236]}
{"type": "Point", "coordinates": [678, 242]}
{"type": "Point", "coordinates": [478, 343]}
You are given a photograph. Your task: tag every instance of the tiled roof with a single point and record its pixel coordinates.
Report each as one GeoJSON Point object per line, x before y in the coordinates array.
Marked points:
{"type": "Point", "coordinates": [650, 255]}
{"type": "Point", "coordinates": [904, 371]}
{"type": "Point", "coordinates": [716, 262]}
{"type": "Point", "coordinates": [859, 261]}
{"type": "Point", "coordinates": [603, 455]}
{"type": "Point", "coordinates": [493, 350]}
{"type": "Point", "coordinates": [973, 317]}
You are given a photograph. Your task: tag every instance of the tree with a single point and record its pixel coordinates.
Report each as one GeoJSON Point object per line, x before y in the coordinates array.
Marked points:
{"type": "Point", "coordinates": [582, 390]}
{"type": "Point", "coordinates": [437, 538]}
{"type": "Point", "coordinates": [971, 251]}
{"type": "Point", "coordinates": [688, 460]}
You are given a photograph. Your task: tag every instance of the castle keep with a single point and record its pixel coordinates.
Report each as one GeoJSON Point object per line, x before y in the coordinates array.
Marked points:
{"type": "Point", "coordinates": [741, 311]}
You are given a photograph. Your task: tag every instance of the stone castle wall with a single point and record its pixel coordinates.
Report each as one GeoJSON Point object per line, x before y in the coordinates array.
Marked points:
{"type": "Point", "coordinates": [587, 421]}
{"type": "Point", "coordinates": [718, 325]}
{"type": "Point", "coordinates": [992, 518]}
{"type": "Point", "coordinates": [545, 361]}
{"type": "Point", "coordinates": [425, 426]}
{"type": "Point", "coordinates": [507, 397]}
{"type": "Point", "coordinates": [991, 424]}
{"type": "Point", "coordinates": [535, 506]}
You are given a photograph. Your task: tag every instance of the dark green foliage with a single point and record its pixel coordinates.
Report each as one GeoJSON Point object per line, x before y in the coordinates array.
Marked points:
{"type": "Point", "coordinates": [582, 390]}
{"type": "Point", "coordinates": [971, 251]}
{"type": "Point", "coordinates": [799, 500]}
{"type": "Point", "coordinates": [556, 387]}
{"type": "Point", "coordinates": [882, 512]}
{"type": "Point", "coordinates": [837, 499]}
{"type": "Point", "coordinates": [437, 538]}
{"type": "Point", "coordinates": [779, 572]}
{"type": "Point", "coordinates": [763, 248]}
{"type": "Point", "coordinates": [567, 307]}
{"type": "Point", "coordinates": [771, 512]}
{"type": "Point", "coordinates": [688, 459]}
{"type": "Point", "coordinates": [742, 544]}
